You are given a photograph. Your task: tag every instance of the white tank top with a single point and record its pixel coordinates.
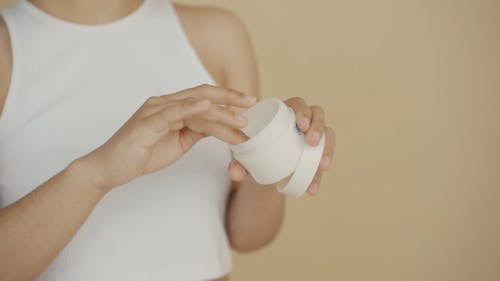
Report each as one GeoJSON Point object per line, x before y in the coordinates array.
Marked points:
{"type": "Point", "coordinates": [72, 87]}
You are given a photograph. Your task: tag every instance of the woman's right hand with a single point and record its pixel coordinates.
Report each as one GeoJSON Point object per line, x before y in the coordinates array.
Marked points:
{"type": "Point", "coordinates": [163, 129]}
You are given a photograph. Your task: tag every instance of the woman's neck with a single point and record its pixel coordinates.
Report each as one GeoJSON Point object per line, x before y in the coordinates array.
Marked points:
{"type": "Point", "coordinates": [88, 11]}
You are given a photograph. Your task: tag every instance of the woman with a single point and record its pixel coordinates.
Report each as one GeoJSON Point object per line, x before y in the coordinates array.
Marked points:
{"type": "Point", "coordinates": [100, 177]}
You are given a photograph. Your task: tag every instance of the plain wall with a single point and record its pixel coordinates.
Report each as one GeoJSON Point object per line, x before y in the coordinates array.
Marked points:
{"type": "Point", "coordinates": [412, 88]}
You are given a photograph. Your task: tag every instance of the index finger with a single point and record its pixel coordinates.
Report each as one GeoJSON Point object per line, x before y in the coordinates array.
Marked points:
{"type": "Point", "coordinates": [177, 111]}
{"type": "Point", "coordinates": [217, 95]}
{"type": "Point", "coordinates": [303, 113]}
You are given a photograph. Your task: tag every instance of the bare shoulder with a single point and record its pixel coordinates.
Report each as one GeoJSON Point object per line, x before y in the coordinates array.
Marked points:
{"type": "Point", "coordinates": [5, 62]}
{"type": "Point", "coordinates": [211, 18]}
{"type": "Point", "coordinates": [223, 44]}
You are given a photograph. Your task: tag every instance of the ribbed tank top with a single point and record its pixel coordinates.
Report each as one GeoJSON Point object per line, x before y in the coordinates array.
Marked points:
{"type": "Point", "coordinates": [72, 87]}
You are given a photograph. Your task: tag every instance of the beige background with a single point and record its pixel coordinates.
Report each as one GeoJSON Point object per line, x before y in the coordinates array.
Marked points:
{"type": "Point", "coordinates": [412, 88]}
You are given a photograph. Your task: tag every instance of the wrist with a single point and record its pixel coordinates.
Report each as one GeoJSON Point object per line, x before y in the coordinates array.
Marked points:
{"type": "Point", "coordinates": [91, 172]}
{"type": "Point", "coordinates": [269, 191]}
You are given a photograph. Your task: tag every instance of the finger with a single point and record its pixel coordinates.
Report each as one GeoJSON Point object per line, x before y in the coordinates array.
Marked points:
{"type": "Point", "coordinates": [223, 115]}
{"type": "Point", "coordinates": [222, 132]}
{"type": "Point", "coordinates": [154, 100]}
{"type": "Point", "coordinates": [155, 104]}
{"type": "Point", "coordinates": [327, 159]}
{"type": "Point", "coordinates": [303, 113]}
{"type": "Point", "coordinates": [236, 171]}
{"type": "Point", "coordinates": [217, 95]}
{"type": "Point", "coordinates": [215, 113]}
{"type": "Point", "coordinates": [149, 107]}
{"type": "Point", "coordinates": [175, 112]}
{"type": "Point", "coordinates": [313, 188]}
{"type": "Point", "coordinates": [317, 127]}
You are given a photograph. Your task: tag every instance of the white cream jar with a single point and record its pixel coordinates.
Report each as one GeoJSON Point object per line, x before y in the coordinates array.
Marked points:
{"type": "Point", "coordinates": [277, 151]}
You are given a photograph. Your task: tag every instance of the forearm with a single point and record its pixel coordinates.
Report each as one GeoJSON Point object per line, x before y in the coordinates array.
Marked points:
{"type": "Point", "coordinates": [34, 229]}
{"type": "Point", "coordinates": [254, 215]}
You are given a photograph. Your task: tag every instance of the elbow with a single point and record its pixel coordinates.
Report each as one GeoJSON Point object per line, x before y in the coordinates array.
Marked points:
{"type": "Point", "coordinates": [241, 243]}
{"type": "Point", "coordinates": [244, 247]}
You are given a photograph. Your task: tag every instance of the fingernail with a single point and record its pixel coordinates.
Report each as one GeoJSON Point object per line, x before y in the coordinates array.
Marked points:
{"type": "Point", "coordinates": [305, 122]}
{"type": "Point", "coordinates": [315, 136]}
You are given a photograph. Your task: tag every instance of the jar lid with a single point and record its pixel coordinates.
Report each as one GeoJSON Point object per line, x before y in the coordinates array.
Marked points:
{"type": "Point", "coordinates": [308, 164]}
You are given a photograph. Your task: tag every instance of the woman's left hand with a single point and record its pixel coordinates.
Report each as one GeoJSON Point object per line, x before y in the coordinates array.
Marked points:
{"type": "Point", "coordinates": [311, 121]}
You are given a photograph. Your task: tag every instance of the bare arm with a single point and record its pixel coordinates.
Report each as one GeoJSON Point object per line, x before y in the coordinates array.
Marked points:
{"type": "Point", "coordinates": [35, 229]}
{"type": "Point", "coordinates": [254, 212]}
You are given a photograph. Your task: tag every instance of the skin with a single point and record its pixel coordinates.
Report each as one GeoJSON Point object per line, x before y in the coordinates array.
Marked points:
{"type": "Point", "coordinates": [158, 134]}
